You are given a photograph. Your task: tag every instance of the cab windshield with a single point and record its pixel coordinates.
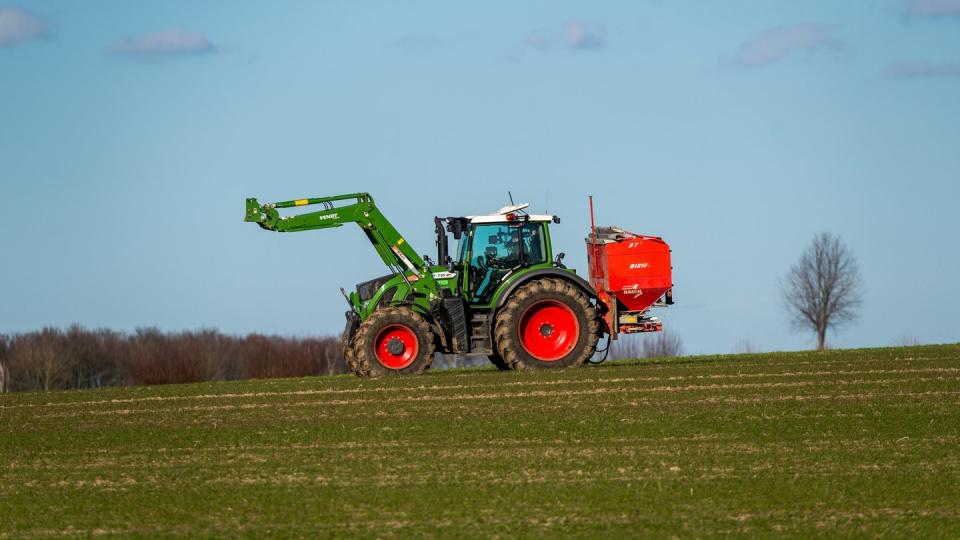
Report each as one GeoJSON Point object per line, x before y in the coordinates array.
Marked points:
{"type": "Point", "coordinates": [499, 248]}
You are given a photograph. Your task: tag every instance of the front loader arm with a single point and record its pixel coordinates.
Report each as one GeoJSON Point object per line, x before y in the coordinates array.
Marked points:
{"type": "Point", "coordinates": [269, 218]}
{"type": "Point", "coordinates": [389, 243]}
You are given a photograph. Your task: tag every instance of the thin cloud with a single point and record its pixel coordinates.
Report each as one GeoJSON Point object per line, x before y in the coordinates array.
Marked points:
{"type": "Point", "coordinates": [538, 41]}
{"type": "Point", "coordinates": [776, 44]}
{"type": "Point", "coordinates": [172, 42]}
{"type": "Point", "coordinates": [418, 42]}
{"type": "Point", "coordinates": [917, 69]}
{"type": "Point", "coordinates": [17, 25]}
{"type": "Point", "coordinates": [931, 8]}
{"type": "Point", "coordinates": [575, 35]}
{"type": "Point", "coordinates": [582, 35]}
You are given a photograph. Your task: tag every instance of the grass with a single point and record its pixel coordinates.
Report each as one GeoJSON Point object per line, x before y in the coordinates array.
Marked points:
{"type": "Point", "coordinates": [842, 443]}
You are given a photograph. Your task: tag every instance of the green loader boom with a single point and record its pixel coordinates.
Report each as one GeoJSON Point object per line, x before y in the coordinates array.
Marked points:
{"type": "Point", "coordinates": [390, 245]}
{"type": "Point", "coordinates": [417, 284]}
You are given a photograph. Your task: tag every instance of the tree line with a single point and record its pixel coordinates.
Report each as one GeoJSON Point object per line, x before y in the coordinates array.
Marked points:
{"type": "Point", "coordinates": [56, 359]}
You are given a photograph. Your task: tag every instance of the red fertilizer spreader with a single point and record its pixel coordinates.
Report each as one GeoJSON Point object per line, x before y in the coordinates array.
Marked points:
{"type": "Point", "coordinates": [631, 274]}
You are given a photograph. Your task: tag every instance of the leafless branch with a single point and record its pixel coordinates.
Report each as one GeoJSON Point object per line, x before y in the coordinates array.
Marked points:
{"type": "Point", "coordinates": [744, 346]}
{"type": "Point", "coordinates": [4, 371]}
{"type": "Point", "coordinates": [823, 289]}
{"type": "Point", "coordinates": [658, 345]}
{"type": "Point", "coordinates": [908, 341]}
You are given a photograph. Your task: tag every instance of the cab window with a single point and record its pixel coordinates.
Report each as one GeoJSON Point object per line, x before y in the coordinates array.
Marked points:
{"type": "Point", "coordinates": [499, 248]}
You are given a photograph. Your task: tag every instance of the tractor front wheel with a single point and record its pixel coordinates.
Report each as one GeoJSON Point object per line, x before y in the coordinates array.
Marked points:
{"type": "Point", "coordinates": [548, 323]}
{"type": "Point", "coordinates": [346, 345]}
{"type": "Point", "coordinates": [393, 341]}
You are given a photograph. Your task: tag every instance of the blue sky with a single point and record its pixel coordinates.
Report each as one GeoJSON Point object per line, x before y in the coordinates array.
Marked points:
{"type": "Point", "coordinates": [131, 132]}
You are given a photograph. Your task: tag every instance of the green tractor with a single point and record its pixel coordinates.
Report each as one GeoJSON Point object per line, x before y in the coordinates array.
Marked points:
{"type": "Point", "coordinates": [504, 294]}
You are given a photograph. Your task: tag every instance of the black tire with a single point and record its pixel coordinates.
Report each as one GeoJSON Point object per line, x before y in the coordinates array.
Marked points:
{"type": "Point", "coordinates": [498, 361]}
{"type": "Point", "coordinates": [414, 350]}
{"type": "Point", "coordinates": [346, 345]}
{"type": "Point", "coordinates": [577, 326]}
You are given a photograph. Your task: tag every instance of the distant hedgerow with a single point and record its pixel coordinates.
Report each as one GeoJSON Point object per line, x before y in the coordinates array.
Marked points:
{"type": "Point", "coordinates": [54, 359]}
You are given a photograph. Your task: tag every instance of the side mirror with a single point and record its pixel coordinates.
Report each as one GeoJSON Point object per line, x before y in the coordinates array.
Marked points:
{"type": "Point", "coordinates": [560, 257]}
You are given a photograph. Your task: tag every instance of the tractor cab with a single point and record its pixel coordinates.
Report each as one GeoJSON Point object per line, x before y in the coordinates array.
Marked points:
{"type": "Point", "coordinates": [493, 247]}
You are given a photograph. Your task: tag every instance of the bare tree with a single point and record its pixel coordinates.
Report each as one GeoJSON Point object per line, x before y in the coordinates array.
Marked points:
{"type": "Point", "coordinates": [627, 347]}
{"type": "Point", "coordinates": [38, 361]}
{"type": "Point", "coordinates": [662, 345]}
{"type": "Point", "coordinates": [4, 372]}
{"type": "Point", "coordinates": [659, 345]}
{"type": "Point", "coordinates": [823, 289]}
{"type": "Point", "coordinates": [744, 346]}
{"type": "Point", "coordinates": [907, 340]}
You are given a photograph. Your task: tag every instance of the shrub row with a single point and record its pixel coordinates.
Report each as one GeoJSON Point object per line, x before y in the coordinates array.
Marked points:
{"type": "Point", "coordinates": [54, 359]}
{"type": "Point", "coordinates": [659, 345]}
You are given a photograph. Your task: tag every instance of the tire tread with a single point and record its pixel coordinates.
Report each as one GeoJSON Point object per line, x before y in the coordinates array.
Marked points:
{"type": "Point", "coordinates": [509, 317]}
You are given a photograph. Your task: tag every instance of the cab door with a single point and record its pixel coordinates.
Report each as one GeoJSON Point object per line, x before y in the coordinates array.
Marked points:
{"type": "Point", "coordinates": [498, 249]}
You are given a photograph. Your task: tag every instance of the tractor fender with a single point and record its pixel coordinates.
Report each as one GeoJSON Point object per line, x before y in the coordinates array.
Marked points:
{"type": "Point", "coordinates": [546, 272]}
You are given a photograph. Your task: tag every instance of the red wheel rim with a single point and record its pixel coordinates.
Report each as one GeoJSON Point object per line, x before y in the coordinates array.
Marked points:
{"type": "Point", "coordinates": [549, 330]}
{"type": "Point", "coordinates": [396, 346]}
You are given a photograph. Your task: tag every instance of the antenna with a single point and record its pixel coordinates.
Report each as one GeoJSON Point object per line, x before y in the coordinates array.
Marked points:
{"type": "Point", "coordinates": [595, 249]}
{"type": "Point", "coordinates": [511, 199]}
{"type": "Point", "coordinates": [546, 208]}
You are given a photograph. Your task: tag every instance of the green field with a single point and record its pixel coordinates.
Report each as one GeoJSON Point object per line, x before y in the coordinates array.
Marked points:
{"type": "Point", "coordinates": [851, 443]}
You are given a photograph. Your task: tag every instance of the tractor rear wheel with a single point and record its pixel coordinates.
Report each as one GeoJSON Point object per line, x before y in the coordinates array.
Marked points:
{"type": "Point", "coordinates": [547, 323]}
{"type": "Point", "coordinates": [497, 360]}
{"type": "Point", "coordinates": [393, 341]}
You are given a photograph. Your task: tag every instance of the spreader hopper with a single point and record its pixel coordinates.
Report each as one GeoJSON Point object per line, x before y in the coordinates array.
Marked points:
{"type": "Point", "coordinates": [631, 273]}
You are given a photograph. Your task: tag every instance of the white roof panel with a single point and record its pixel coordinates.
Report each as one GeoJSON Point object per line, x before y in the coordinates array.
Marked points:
{"type": "Point", "coordinates": [501, 215]}
{"type": "Point", "coordinates": [499, 218]}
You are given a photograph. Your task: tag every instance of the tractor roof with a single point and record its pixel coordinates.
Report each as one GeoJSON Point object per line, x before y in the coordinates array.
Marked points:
{"type": "Point", "coordinates": [509, 213]}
